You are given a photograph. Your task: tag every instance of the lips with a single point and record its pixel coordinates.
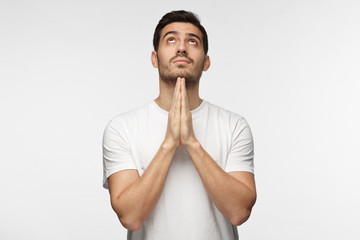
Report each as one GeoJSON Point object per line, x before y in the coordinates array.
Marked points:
{"type": "Point", "coordinates": [181, 61]}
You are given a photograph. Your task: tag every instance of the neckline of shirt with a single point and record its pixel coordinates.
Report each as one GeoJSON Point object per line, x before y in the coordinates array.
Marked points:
{"type": "Point", "coordinates": [194, 113]}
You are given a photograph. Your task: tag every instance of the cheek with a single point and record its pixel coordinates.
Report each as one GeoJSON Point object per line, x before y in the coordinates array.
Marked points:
{"type": "Point", "coordinates": [200, 61]}
{"type": "Point", "coordinates": [198, 56]}
{"type": "Point", "coordinates": [162, 59]}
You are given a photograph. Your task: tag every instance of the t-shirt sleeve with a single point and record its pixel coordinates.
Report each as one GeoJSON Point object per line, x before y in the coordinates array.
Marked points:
{"type": "Point", "coordinates": [241, 154]}
{"type": "Point", "coordinates": [116, 150]}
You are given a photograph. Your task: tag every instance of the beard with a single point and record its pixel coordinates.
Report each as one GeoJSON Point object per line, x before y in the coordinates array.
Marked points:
{"type": "Point", "coordinates": [169, 76]}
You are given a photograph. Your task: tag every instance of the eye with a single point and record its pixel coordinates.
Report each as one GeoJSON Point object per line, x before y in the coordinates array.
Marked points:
{"type": "Point", "coordinates": [171, 40]}
{"type": "Point", "coordinates": [192, 42]}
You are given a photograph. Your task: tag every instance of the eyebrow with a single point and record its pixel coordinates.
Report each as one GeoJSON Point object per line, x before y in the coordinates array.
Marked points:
{"type": "Point", "coordinates": [187, 34]}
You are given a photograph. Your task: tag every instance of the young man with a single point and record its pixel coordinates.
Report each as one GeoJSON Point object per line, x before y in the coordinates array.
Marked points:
{"type": "Point", "coordinates": [180, 167]}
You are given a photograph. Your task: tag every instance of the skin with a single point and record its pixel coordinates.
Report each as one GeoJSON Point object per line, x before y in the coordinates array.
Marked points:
{"type": "Point", "coordinates": [132, 197]}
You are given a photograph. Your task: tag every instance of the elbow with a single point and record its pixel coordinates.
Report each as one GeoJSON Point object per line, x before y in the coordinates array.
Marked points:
{"type": "Point", "coordinates": [129, 222]}
{"type": "Point", "coordinates": [131, 225]}
{"type": "Point", "coordinates": [243, 215]}
{"type": "Point", "coordinates": [240, 218]}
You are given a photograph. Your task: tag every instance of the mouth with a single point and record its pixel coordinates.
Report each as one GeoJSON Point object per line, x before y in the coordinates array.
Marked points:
{"type": "Point", "coordinates": [181, 61]}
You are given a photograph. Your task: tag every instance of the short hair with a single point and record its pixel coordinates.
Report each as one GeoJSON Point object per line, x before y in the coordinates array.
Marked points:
{"type": "Point", "coordinates": [180, 16]}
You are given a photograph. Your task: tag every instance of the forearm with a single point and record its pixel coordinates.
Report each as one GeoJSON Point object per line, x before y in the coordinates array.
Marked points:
{"type": "Point", "coordinates": [136, 202]}
{"type": "Point", "coordinates": [232, 197]}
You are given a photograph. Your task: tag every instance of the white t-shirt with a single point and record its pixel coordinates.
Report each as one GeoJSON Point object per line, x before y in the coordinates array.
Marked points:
{"type": "Point", "coordinates": [184, 210]}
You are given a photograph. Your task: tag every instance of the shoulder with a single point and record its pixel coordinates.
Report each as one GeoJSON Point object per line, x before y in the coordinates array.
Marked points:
{"type": "Point", "coordinates": [132, 114]}
{"type": "Point", "coordinates": [224, 114]}
{"type": "Point", "coordinates": [231, 121]}
{"type": "Point", "coordinates": [126, 118]}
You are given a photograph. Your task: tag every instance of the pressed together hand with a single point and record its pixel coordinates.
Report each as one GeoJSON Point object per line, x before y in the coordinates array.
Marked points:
{"type": "Point", "coordinates": [179, 129]}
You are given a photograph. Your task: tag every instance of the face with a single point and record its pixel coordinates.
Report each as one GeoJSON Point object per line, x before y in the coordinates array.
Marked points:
{"type": "Point", "coordinates": [180, 54]}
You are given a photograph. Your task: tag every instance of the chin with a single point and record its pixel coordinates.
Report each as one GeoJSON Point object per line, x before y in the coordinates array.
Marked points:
{"type": "Point", "coordinates": [170, 77]}
{"type": "Point", "coordinates": [182, 73]}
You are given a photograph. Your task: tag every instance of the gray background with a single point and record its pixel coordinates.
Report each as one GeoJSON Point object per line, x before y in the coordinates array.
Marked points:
{"type": "Point", "coordinates": [291, 68]}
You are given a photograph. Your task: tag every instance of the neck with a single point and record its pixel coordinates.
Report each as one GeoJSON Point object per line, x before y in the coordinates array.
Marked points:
{"type": "Point", "coordinates": [165, 98]}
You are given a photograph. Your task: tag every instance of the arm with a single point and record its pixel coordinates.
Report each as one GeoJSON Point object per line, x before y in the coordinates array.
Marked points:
{"type": "Point", "coordinates": [234, 193]}
{"type": "Point", "coordinates": [132, 197]}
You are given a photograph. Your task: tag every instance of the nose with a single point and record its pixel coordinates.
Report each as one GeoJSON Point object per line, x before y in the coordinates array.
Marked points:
{"type": "Point", "coordinates": [181, 48]}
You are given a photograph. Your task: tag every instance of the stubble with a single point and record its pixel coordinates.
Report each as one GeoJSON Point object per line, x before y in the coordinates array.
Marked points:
{"type": "Point", "coordinates": [169, 77]}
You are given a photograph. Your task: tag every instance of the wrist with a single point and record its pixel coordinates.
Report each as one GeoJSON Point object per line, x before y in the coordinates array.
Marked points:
{"type": "Point", "coordinates": [168, 146]}
{"type": "Point", "coordinates": [191, 145]}
{"type": "Point", "coordinates": [196, 152]}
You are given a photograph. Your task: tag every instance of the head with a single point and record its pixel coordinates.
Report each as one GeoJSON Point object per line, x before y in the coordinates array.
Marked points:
{"type": "Point", "coordinates": [180, 48]}
{"type": "Point", "coordinates": [180, 16]}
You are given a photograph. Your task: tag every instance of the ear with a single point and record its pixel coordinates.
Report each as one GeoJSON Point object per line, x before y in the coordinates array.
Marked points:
{"type": "Point", "coordinates": [154, 60]}
{"type": "Point", "coordinates": [206, 63]}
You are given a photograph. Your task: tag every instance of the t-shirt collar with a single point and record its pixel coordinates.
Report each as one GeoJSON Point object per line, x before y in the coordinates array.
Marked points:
{"type": "Point", "coordinates": [194, 113]}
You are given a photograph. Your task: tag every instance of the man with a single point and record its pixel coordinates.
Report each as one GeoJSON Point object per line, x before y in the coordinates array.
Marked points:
{"type": "Point", "coordinates": [180, 167]}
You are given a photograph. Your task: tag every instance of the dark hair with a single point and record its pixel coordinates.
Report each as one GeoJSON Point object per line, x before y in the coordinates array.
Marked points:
{"type": "Point", "coordinates": [179, 16]}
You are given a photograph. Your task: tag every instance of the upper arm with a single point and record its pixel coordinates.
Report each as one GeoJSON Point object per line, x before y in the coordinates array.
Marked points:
{"type": "Point", "coordinates": [247, 178]}
{"type": "Point", "coordinates": [117, 157]}
{"type": "Point", "coordinates": [241, 151]}
{"type": "Point", "coordinates": [120, 181]}
{"type": "Point", "coordinates": [240, 162]}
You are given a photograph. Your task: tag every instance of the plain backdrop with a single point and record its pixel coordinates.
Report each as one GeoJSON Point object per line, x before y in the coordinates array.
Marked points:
{"type": "Point", "coordinates": [291, 68]}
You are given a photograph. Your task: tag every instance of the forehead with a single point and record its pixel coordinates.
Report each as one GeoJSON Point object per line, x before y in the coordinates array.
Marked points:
{"type": "Point", "coordinates": [181, 28]}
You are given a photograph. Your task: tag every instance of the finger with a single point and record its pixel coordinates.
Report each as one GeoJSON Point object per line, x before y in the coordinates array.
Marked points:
{"type": "Point", "coordinates": [180, 90]}
{"type": "Point", "coordinates": [175, 95]}
{"type": "Point", "coordinates": [178, 96]}
{"type": "Point", "coordinates": [185, 101]}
